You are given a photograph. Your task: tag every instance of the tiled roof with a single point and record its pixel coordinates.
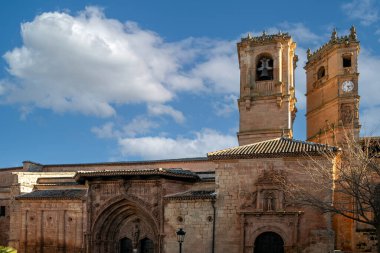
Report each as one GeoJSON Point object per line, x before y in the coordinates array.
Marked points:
{"type": "Point", "coordinates": [199, 194]}
{"type": "Point", "coordinates": [176, 173]}
{"type": "Point", "coordinates": [179, 160]}
{"type": "Point", "coordinates": [54, 194]}
{"type": "Point", "coordinates": [272, 148]}
{"type": "Point", "coordinates": [206, 175]}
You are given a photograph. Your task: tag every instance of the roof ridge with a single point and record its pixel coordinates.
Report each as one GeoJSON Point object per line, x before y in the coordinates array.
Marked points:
{"type": "Point", "coordinates": [274, 147]}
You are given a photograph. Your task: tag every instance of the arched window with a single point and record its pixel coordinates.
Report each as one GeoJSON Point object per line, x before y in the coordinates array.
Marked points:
{"type": "Point", "coordinates": [264, 68]}
{"type": "Point", "coordinates": [126, 245]}
{"type": "Point", "coordinates": [146, 246]}
{"type": "Point", "coordinates": [321, 72]}
{"type": "Point", "coordinates": [269, 242]}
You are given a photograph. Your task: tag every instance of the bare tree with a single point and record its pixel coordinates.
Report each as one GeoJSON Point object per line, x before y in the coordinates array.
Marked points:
{"type": "Point", "coordinates": [346, 182]}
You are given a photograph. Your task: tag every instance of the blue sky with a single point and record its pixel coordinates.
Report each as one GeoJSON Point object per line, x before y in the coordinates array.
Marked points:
{"type": "Point", "coordinates": [99, 81]}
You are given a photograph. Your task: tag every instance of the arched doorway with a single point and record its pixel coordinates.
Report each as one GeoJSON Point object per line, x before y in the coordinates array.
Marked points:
{"type": "Point", "coordinates": [126, 245]}
{"type": "Point", "coordinates": [269, 242]}
{"type": "Point", "coordinates": [123, 226]}
{"type": "Point", "coordinates": [146, 246]}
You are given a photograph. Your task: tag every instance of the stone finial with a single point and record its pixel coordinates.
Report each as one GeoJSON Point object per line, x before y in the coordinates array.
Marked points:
{"type": "Point", "coordinates": [249, 36]}
{"type": "Point", "coordinates": [353, 35]}
{"type": "Point", "coordinates": [334, 35]}
{"type": "Point", "coordinates": [308, 53]}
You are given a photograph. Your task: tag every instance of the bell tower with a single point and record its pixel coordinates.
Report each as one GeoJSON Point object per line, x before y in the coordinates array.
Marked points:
{"type": "Point", "coordinates": [332, 90]}
{"type": "Point", "coordinates": [267, 100]}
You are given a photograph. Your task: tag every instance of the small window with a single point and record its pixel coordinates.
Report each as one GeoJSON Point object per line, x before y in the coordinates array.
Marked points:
{"type": "Point", "coordinates": [346, 61]}
{"type": "Point", "coordinates": [2, 211]}
{"type": "Point", "coordinates": [321, 72]}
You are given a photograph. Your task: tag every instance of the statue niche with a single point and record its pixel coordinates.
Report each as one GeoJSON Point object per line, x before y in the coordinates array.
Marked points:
{"type": "Point", "coordinates": [264, 68]}
{"type": "Point", "coordinates": [269, 201]}
{"type": "Point", "coordinates": [265, 194]}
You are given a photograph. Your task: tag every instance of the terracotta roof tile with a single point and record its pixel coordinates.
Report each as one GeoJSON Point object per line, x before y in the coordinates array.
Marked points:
{"type": "Point", "coordinates": [199, 194]}
{"type": "Point", "coordinates": [53, 194]}
{"type": "Point", "coordinates": [272, 148]}
{"type": "Point", "coordinates": [176, 173]}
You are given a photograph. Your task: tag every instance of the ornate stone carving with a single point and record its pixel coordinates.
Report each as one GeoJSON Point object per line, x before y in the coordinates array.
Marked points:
{"type": "Point", "coordinates": [347, 114]}
{"type": "Point", "coordinates": [249, 200]}
{"type": "Point", "coordinates": [267, 37]}
{"type": "Point", "coordinates": [353, 35]}
{"type": "Point", "coordinates": [334, 35]}
{"type": "Point", "coordinates": [335, 39]}
{"type": "Point", "coordinates": [269, 201]}
{"type": "Point", "coordinates": [135, 233]}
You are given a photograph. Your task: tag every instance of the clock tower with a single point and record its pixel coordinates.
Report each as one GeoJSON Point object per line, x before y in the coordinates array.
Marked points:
{"type": "Point", "coordinates": [332, 90]}
{"type": "Point", "coordinates": [267, 101]}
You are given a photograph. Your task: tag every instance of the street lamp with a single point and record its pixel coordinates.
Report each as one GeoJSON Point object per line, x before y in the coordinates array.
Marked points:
{"type": "Point", "coordinates": [180, 238]}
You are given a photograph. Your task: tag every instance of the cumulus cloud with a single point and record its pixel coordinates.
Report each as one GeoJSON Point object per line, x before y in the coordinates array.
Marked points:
{"type": "Point", "coordinates": [159, 109]}
{"type": "Point", "coordinates": [137, 126]}
{"type": "Point", "coordinates": [369, 66]}
{"type": "Point", "coordinates": [225, 107]}
{"type": "Point", "coordinates": [88, 63]}
{"type": "Point", "coordinates": [221, 71]}
{"type": "Point", "coordinates": [363, 10]}
{"type": "Point", "coordinates": [299, 32]}
{"type": "Point", "coordinates": [163, 147]}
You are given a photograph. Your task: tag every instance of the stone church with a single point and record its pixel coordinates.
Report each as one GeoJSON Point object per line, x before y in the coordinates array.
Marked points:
{"type": "Point", "coordinates": [226, 201]}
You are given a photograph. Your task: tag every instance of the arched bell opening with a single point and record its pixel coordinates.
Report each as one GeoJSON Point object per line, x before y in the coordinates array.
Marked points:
{"type": "Point", "coordinates": [124, 225]}
{"type": "Point", "coordinates": [269, 242]}
{"type": "Point", "coordinates": [264, 67]}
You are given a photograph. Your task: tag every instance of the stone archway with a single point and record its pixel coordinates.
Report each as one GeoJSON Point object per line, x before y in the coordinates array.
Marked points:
{"type": "Point", "coordinates": [122, 225]}
{"type": "Point", "coordinates": [269, 242]}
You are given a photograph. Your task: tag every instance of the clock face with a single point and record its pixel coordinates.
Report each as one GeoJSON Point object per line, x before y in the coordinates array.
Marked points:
{"type": "Point", "coordinates": [347, 86]}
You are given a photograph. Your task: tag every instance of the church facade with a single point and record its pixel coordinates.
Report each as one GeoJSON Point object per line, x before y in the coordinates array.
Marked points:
{"type": "Point", "coordinates": [228, 201]}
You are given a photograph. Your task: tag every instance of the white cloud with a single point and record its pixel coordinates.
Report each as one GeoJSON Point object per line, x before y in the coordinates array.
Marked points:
{"type": "Point", "coordinates": [227, 106]}
{"type": "Point", "coordinates": [2, 89]}
{"type": "Point", "coordinates": [106, 131]}
{"type": "Point", "coordinates": [163, 147]}
{"type": "Point", "coordinates": [369, 84]}
{"type": "Point", "coordinates": [88, 63]}
{"type": "Point", "coordinates": [159, 109]}
{"type": "Point", "coordinates": [299, 32]}
{"type": "Point", "coordinates": [370, 121]}
{"type": "Point", "coordinates": [220, 71]}
{"type": "Point", "coordinates": [369, 65]}
{"type": "Point", "coordinates": [137, 126]}
{"type": "Point", "coordinates": [363, 10]}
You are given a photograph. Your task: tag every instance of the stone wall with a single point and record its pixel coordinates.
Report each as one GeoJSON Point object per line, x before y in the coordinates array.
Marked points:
{"type": "Point", "coordinates": [243, 212]}
{"type": "Point", "coordinates": [48, 226]}
{"type": "Point", "coordinates": [196, 218]}
{"type": "Point", "coordinates": [6, 181]}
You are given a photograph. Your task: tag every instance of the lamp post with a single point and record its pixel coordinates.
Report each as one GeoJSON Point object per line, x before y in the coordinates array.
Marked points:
{"type": "Point", "coordinates": [180, 238]}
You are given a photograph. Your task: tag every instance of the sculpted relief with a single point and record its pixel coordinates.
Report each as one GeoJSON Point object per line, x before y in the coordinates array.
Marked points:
{"type": "Point", "coordinates": [265, 196]}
